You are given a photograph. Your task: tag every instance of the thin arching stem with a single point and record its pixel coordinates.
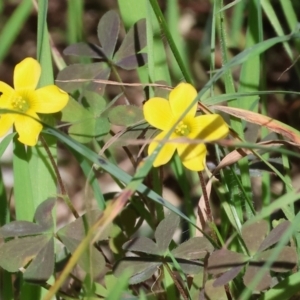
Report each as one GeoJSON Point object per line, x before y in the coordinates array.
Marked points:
{"type": "Point", "coordinates": [64, 194]}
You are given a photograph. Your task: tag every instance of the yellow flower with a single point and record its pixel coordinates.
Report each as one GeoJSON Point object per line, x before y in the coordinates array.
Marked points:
{"type": "Point", "coordinates": [27, 102]}
{"type": "Point", "coordinates": [164, 114]}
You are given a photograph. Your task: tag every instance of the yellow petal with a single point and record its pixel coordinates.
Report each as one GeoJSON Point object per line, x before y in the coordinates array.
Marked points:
{"type": "Point", "coordinates": [157, 112]}
{"type": "Point", "coordinates": [181, 97]}
{"type": "Point", "coordinates": [27, 74]}
{"type": "Point", "coordinates": [7, 91]}
{"type": "Point", "coordinates": [189, 151]}
{"type": "Point", "coordinates": [166, 152]}
{"type": "Point", "coordinates": [197, 163]}
{"type": "Point", "coordinates": [7, 94]}
{"type": "Point", "coordinates": [49, 99]}
{"type": "Point", "coordinates": [6, 122]}
{"type": "Point", "coordinates": [209, 128]}
{"type": "Point", "coordinates": [28, 128]}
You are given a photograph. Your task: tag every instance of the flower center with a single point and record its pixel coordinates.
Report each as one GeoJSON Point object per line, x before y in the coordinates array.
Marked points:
{"type": "Point", "coordinates": [182, 129]}
{"type": "Point", "coordinates": [20, 104]}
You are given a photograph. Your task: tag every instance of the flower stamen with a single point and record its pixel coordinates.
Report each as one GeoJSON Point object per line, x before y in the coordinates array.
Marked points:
{"type": "Point", "coordinates": [182, 129]}
{"type": "Point", "coordinates": [20, 104]}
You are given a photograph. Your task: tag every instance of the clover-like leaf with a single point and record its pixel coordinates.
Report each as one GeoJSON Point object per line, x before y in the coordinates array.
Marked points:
{"type": "Point", "coordinates": [214, 293]}
{"type": "Point", "coordinates": [79, 76]}
{"type": "Point", "coordinates": [165, 231]}
{"type": "Point", "coordinates": [250, 274]}
{"type": "Point", "coordinates": [139, 131]}
{"type": "Point", "coordinates": [125, 115]}
{"type": "Point", "coordinates": [141, 244]}
{"type": "Point", "coordinates": [85, 125]}
{"type": "Point", "coordinates": [33, 243]}
{"type": "Point", "coordinates": [108, 31]}
{"type": "Point", "coordinates": [83, 49]}
{"type": "Point", "coordinates": [72, 234]}
{"type": "Point", "coordinates": [222, 260]}
{"type": "Point", "coordinates": [43, 214]}
{"type": "Point", "coordinates": [141, 268]}
{"type": "Point", "coordinates": [195, 248]}
{"type": "Point", "coordinates": [40, 268]}
{"type": "Point", "coordinates": [253, 234]}
{"type": "Point", "coordinates": [285, 261]}
{"type": "Point", "coordinates": [17, 253]}
{"type": "Point", "coordinates": [190, 266]}
{"type": "Point", "coordinates": [274, 236]}
{"type": "Point", "coordinates": [43, 217]}
{"type": "Point", "coordinates": [128, 56]}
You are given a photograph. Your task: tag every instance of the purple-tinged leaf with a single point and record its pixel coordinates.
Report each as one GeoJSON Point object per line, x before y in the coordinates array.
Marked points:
{"type": "Point", "coordinates": [42, 266]}
{"type": "Point", "coordinates": [125, 115]}
{"type": "Point", "coordinates": [83, 49]}
{"type": "Point", "coordinates": [91, 259]}
{"type": "Point", "coordinates": [133, 61]}
{"type": "Point", "coordinates": [20, 228]}
{"type": "Point", "coordinates": [222, 260]}
{"type": "Point", "coordinates": [165, 231]}
{"type": "Point", "coordinates": [228, 276]}
{"type": "Point", "coordinates": [43, 214]}
{"type": "Point", "coordinates": [141, 269]}
{"type": "Point", "coordinates": [79, 228]}
{"type": "Point", "coordinates": [141, 244]}
{"type": "Point", "coordinates": [190, 266]}
{"type": "Point", "coordinates": [195, 248]}
{"type": "Point", "coordinates": [134, 41]}
{"type": "Point", "coordinates": [214, 293]}
{"type": "Point", "coordinates": [250, 274]}
{"type": "Point", "coordinates": [286, 260]}
{"type": "Point", "coordinates": [253, 234]}
{"type": "Point", "coordinates": [78, 76]}
{"type": "Point", "coordinates": [19, 252]}
{"type": "Point", "coordinates": [108, 31]}
{"type": "Point", "coordinates": [274, 236]}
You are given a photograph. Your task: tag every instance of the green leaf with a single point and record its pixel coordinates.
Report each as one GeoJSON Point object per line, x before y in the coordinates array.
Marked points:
{"type": "Point", "coordinates": [5, 142]}
{"type": "Point", "coordinates": [86, 126]}
{"type": "Point", "coordinates": [165, 231]}
{"type": "Point", "coordinates": [93, 102]}
{"type": "Point", "coordinates": [125, 115]}
{"type": "Point", "coordinates": [108, 31]}
{"type": "Point", "coordinates": [190, 266]}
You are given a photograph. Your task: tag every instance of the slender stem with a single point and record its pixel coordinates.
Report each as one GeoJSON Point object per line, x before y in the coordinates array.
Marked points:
{"type": "Point", "coordinates": [178, 285]}
{"type": "Point", "coordinates": [205, 196]}
{"type": "Point", "coordinates": [64, 194]}
{"type": "Point", "coordinates": [207, 207]}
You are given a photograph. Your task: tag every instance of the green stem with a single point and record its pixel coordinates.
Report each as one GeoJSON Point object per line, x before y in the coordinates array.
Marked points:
{"type": "Point", "coordinates": [64, 196]}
